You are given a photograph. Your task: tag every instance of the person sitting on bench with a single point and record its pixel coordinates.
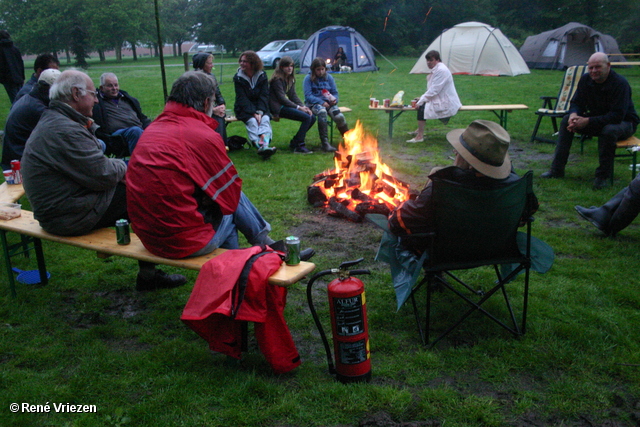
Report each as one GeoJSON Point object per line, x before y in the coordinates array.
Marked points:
{"type": "Point", "coordinates": [118, 113]}
{"type": "Point", "coordinates": [73, 188]}
{"type": "Point", "coordinates": [184, 194]}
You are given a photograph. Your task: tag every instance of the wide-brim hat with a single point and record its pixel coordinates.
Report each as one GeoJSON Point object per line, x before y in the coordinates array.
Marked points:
{"type": "Point", "coordinates": [484, 145]}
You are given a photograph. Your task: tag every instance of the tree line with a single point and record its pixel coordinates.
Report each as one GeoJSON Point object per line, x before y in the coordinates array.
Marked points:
{"type": "Point", "coordinates": [401, 27]}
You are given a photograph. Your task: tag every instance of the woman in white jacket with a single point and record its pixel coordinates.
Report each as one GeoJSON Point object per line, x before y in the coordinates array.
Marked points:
{"type": "Point", "coordinates": [440, 101]}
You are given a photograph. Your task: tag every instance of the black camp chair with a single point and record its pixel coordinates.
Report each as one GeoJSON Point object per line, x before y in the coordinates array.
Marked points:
{"type": "Point", "coordinates": [475, 228]}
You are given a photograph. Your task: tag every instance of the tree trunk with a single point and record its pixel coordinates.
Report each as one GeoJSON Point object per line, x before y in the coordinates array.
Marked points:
{"type": "Point", "coordinates": [101, 55]}
{"type": "Point", "coordinates": [133, 51]}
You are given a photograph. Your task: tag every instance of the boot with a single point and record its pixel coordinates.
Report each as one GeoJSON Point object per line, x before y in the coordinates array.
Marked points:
{"type": "Point", "coordinates": [601, 217]}
{"type": "Point", "coordinates": [327, 147]}
{"type": "Point", "coordinates": [626, 212]}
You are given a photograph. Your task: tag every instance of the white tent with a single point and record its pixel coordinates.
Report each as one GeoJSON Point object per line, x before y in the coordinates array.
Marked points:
{"type": "Point", "coordinates": [475, 48]}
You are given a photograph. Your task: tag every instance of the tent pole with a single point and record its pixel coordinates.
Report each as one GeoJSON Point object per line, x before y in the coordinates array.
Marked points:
{"type": "Point", "coordinates": [394, 65]}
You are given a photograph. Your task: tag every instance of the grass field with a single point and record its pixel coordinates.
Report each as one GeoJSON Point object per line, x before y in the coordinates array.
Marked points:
{"type": "Point", "coordinates": [88, 338]}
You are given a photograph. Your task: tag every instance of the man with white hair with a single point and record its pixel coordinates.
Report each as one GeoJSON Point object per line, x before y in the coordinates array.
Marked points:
{"type": "Point", "coordinates": [118, 113]}
{"type": "Point", "coordinates": [602, 107]}
{"type": "Point", "coordinates": [73, 188]}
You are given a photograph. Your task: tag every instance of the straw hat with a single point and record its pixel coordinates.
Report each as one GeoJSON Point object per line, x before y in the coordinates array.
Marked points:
{"type": "Point", "coordinates": [484, 145]}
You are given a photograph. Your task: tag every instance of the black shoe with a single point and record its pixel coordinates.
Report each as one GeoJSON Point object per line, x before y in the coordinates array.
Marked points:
{"type": "Point", "coordinates": [302, 150]}
{"type": "Point", "coordinates": [552, 174]}
{"type": "Point", "coordinates": [599, 217]}
{"type": "Point", "coordinates": [160, 280]}
{"type": "Point", "coordinates": [600, 183]}
{"type": "Point", "coordinates": [306, 254]}
{"type": "Point", "coordinates": [266, 152]}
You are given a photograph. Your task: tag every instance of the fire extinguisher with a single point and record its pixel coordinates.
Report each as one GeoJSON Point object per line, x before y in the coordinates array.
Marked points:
{"type": "Point", "coordinates": [348, 310]}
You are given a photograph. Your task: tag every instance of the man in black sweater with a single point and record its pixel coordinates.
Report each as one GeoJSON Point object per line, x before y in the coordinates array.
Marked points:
{"type": "Point", "coordinates": [601, 107]}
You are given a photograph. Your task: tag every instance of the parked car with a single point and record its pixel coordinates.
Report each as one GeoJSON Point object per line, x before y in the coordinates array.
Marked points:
{"type": "Point", "coordinates": [275, 50]}
{"type": "Point", "coordinates": [209, 48]}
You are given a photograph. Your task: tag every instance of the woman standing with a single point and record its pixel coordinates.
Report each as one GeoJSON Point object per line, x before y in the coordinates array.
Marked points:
{"type": "Point", "coordinates": [284, 102]}
{"type": "Point", "coordinates": [321, 95]}
{"type": "Point", "coordinates": [252, 102]}
{"type": "Point", "coordinates": [203, 61]}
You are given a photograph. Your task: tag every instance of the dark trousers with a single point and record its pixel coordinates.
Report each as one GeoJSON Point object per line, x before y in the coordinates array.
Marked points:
{"type": "Point", "coordinates": [306, 121]}
{"type": "Point", "coordinates": [12, 90]}
{"type": "Point", "coordinates": [607, 138]}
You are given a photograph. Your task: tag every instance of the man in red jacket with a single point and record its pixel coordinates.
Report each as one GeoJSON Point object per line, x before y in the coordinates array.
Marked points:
{"type": "Point", "coordinates": [184, 195]}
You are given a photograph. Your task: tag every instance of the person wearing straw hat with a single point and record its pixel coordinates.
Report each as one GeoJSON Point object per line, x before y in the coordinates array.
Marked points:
{"type": "Point", "coordinates": [481, 159]}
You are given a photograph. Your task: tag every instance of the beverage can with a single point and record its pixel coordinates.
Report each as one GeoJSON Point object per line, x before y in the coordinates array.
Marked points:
{"type": "Point", "coordinates": [8, 176]}
{"type": "Point", "coordinates": [122, 232]}
{"type": "Point", "coordinates": [386, 102]}
{"type": "Point", "coordinates": [292, 244]}
{"type": "Point", "coordinates": [413, 103]}
{"type": "Point", "coordinates": [17, 173]}
{"type": "Point", "coordinates": [376, 103]}
{"type": "Point", "coordinates": [371, 102]}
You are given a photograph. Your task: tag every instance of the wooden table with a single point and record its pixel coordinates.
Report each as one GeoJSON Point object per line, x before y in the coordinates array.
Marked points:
{"type": "Point", "coordinates": [500, 110]}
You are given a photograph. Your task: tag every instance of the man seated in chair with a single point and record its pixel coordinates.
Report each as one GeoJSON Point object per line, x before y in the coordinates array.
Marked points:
{"type": "Point", "coordinates": [118, 113]}
{"type": "Point", "coordinates": [602, 107]}
{"type": "Point", "coordinates": [481, 160]}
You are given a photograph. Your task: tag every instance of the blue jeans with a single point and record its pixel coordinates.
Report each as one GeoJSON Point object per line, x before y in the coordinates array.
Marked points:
{"type": "Point", "coordinates": [306, 121]}
{"type": "Point", "coordinates": [131, 135]}
{"type": "Point", "coordinates": [246, 219]}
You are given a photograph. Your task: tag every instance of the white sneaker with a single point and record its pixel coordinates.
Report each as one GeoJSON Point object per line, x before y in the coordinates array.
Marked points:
{"type": "Point", "coordinates": [414, 140]}
{"type": "Point", "coordinates": [413, 132]}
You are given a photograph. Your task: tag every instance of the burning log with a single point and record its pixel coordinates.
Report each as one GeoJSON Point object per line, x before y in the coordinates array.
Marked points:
{"type": "Point", "coordinates": [344, 211]}
{"type": "Point", "coordinates": [316, 197]}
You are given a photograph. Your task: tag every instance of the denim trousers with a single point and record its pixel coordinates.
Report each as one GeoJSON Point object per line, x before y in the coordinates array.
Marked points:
{"type": "Point", "coordinates": [131, 135]}
{"type": "Point", "coordinates": [306, 121]}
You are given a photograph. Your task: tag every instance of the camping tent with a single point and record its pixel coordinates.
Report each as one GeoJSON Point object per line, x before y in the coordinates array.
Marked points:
{"type": "Point", "coordinates": [569, 45]}
{"type": "Point", "coordinates": [475, 48]}
{"type": "Point", "coordinates": [324, 43]}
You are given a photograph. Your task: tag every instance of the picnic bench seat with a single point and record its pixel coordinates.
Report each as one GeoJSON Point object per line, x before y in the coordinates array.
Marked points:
{"type": "Point", "coordinates": [500, 110]}
{"type": "Point", "coordinates": [631, 144]}
{"type": "Point", "coordinates": [103, 242]}
{"type": "Point", "coordinates": [232, 119]}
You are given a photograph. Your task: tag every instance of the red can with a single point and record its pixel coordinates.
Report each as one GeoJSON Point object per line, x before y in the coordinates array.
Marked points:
{"type": "Point", "coordinates": [15, 171]}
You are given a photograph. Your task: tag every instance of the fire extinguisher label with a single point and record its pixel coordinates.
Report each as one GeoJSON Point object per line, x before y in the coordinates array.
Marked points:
{"type": "Point", "coordinates": [348, 315]}
{"type": "Point", "coordinates": [352, 353]}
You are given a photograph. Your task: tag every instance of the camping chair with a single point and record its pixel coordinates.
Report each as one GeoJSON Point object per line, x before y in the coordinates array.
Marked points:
{"type": "Point", "coordinates": [563, 101]}
{"type": "Point", "coordinates": [475, 228]}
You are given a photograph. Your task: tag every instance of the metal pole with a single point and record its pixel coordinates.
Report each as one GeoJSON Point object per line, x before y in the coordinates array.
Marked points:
{"type": "Point", "coordinates": [161, 48]}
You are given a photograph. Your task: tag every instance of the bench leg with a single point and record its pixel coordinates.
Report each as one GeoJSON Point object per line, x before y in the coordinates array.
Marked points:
{"type": "Point", "coordinates": [7, 261]}
{"type": "Point", "coordinates": [42, 268]}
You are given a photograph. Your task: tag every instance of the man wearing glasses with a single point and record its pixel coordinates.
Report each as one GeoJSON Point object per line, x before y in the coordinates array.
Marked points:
{"type": "Point", "coordinates": [118, 113]}
{"type": "Point", "coordinates": [73, 188]}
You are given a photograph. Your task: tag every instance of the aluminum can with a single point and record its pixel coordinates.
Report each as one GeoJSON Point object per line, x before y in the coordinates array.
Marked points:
{"type": "Point", "coordinates": [292, 244]}
{"type": "Point", "coordinates": [122, 232]}
{"type": "Point", "coordinates": [15, 170]}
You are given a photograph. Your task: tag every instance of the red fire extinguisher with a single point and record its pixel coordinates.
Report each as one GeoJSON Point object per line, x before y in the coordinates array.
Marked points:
{"type": "Point", "coordinates": [348, 310]}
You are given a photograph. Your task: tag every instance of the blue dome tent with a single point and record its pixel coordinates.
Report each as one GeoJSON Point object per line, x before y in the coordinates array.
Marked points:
{"type": "Point", "coordinates": [324, 43]}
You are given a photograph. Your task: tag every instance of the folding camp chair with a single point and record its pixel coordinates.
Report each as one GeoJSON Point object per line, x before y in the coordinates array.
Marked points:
{"type": "Point", "coordinates": [563, 101]}
{"type": "Point", "coordinates": [475, 227]}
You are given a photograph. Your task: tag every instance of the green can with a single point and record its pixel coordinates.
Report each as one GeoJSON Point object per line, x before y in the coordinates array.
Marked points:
{"type": "Point", "coordinates": [122, 232]}
{"type": "Point", "coordinates": [292, 244]}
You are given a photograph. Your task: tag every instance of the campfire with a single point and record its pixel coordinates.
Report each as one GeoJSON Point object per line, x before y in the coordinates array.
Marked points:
{"type": "Point", "coordinates": [360, 183]}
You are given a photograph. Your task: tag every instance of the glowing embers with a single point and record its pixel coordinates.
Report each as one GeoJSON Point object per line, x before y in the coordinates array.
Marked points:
{"type": "Point", "coordinates": [360, 183]}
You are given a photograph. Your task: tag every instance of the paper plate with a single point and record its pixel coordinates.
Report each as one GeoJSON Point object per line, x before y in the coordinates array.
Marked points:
{"type": "Point", "coordinates": [30, 277]}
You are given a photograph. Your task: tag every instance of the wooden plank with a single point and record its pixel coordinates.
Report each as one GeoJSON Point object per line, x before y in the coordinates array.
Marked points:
{"type": "Point", "coordinates": [103, 241]}
{"type": "Point", "coordinates": [507, 107]}
{"type": "Point", "coordinates": [11, 193]}
{"type": "Point", "coordinates": [628, 143]}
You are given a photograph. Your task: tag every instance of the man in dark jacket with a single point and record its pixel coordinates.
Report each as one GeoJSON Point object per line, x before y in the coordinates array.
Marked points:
{"type": "Point", "coordinates": [44, 61]}
{"type": "Point", "coordinates": [24, 116]}
{"type": "Point", "coordinates": [73, 188]}
{"type": "Point", "coordinates": [118, 113]}
{"type": "Point", "coordinates": [602, 107]}
{"type": "Point", "coordinates": [11, 66]}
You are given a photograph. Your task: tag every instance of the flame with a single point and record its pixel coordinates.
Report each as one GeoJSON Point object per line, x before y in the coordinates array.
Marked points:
{"type": "Point", "coordinates": [360, 175]}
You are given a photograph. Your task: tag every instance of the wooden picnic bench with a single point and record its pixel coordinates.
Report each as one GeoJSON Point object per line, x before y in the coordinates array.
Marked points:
{"type": "Point", "coordinates": [103, 242]}
{"type": "Point", "coordinates": [232, 119]}
{"type": "Point", "coordinates": [500, 110]}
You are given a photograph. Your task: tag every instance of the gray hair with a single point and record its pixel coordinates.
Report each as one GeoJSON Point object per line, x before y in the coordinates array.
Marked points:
{"type": "Point", "coordinates": [192, 89]}
{"type": "Point", "coordinates": [105, 76]}
{"type": "Point", "coordinates": [61, 90]}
